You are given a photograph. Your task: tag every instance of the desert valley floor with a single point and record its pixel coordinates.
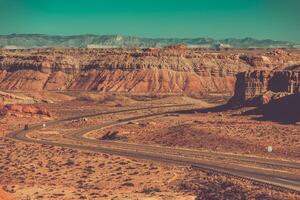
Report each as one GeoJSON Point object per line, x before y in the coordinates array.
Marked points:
{"type": "Point", "coordinates": [41, 171]}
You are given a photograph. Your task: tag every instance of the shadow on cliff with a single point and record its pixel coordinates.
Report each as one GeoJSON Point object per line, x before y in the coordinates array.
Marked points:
{"type": "Point", "coordinates": [231, 104]}
{"type": "Point", "coordinates": [284, 110]}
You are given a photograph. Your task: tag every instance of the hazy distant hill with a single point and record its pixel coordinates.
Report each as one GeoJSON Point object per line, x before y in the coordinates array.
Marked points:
{"type": "Point", "coordinates": [102, 41]}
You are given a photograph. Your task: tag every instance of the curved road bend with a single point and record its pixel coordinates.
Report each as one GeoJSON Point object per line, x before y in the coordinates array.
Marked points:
{"type": "Point", "coordinates": [80, 136]}
{"type": "Point", "coordinates": [275, 178]}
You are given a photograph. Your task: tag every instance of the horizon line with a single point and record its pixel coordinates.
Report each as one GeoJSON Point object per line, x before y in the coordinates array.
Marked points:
{"type": "Point", "coordinates": [154, 38]}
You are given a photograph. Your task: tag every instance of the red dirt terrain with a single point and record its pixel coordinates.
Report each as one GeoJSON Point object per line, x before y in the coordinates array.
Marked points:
{"type": "Point", "coordinates": [4, 195]}
{"type": "Point", "coordinates": [35, 171]}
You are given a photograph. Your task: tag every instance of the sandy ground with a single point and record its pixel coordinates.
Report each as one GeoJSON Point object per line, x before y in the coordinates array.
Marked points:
{"type": "Point", "coordinates": [32, 171]}
{"type": "Point", "coordinates": [44, 172]}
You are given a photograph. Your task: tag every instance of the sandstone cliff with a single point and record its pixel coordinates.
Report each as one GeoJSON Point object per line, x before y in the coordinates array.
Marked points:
{"type": "Point", "coordinates": [275, 94]}
{"type": "Point", "coordinates": [251, 84]}
{"type": "Point", "coordinates": [174, 69]}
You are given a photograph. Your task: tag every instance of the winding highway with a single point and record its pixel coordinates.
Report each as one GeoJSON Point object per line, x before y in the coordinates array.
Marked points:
{"type": "Point", "coordinates": [266, 171]}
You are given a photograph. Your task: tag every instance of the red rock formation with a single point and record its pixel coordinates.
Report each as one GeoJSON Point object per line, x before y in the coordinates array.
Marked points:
{"type": "Point", "coordinates": [256, 60]}
{"type": "Point", "coordinates": [151, 80]}
{"type": "Point", "coordinates": [275, 94]}
{"type": "Point", "coordinates": [25, 108]}
{"type": "Point", "coordinates": [265, 84]}
{"type": "Point", "coordinates": [175, 69]}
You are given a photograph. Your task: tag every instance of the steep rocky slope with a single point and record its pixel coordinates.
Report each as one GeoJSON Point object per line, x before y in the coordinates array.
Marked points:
{"type": "Point", "coordinates": [275, 94]}
{"type": "Point", "coordinates": [265, 84]}
{"type": "Point", "coordinates": [174, 69]}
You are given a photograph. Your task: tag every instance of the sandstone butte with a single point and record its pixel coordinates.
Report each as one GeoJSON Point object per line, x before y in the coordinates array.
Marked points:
{"type": "Point", "coordinates": [261, 86]}
{"type": "Point", "coordinates": [174, 69]}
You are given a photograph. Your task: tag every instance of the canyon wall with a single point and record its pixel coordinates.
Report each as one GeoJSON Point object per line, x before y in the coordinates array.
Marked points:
{"type": "Point", "coordinates": [251, 84]}
{"type": "Point", "coordinates": [175, 69]}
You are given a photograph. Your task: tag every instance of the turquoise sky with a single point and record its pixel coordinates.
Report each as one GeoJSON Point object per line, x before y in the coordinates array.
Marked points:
{"type": "Point", "coordinates": [272, 19]}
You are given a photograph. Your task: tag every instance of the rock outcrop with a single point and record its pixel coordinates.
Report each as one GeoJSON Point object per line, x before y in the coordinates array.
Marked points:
{"type": "Point", "coordinates": [174, 69]}
{"type": "Point", "coordinates": [24, 108]}
{"type": "Point", "coordinates": [274, 94]}
{"type": "Point", "coordinates": [262, 84]}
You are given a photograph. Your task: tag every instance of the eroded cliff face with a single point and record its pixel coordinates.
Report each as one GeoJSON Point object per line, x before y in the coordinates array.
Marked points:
{"type": "Point", "coordinates": [176, 69]}
{"type": "Point", "coordinates": [266, 83]}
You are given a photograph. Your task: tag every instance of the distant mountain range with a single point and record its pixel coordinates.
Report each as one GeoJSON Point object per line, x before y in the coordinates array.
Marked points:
{"type": "Point", "coordinates": [15, 41]}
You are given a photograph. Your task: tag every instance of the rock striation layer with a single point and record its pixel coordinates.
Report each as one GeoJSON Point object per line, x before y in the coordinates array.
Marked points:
{"type": "Point", "coordinates": [266, 83]}
{"type": "Point", "coordinates": [174, 69]}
